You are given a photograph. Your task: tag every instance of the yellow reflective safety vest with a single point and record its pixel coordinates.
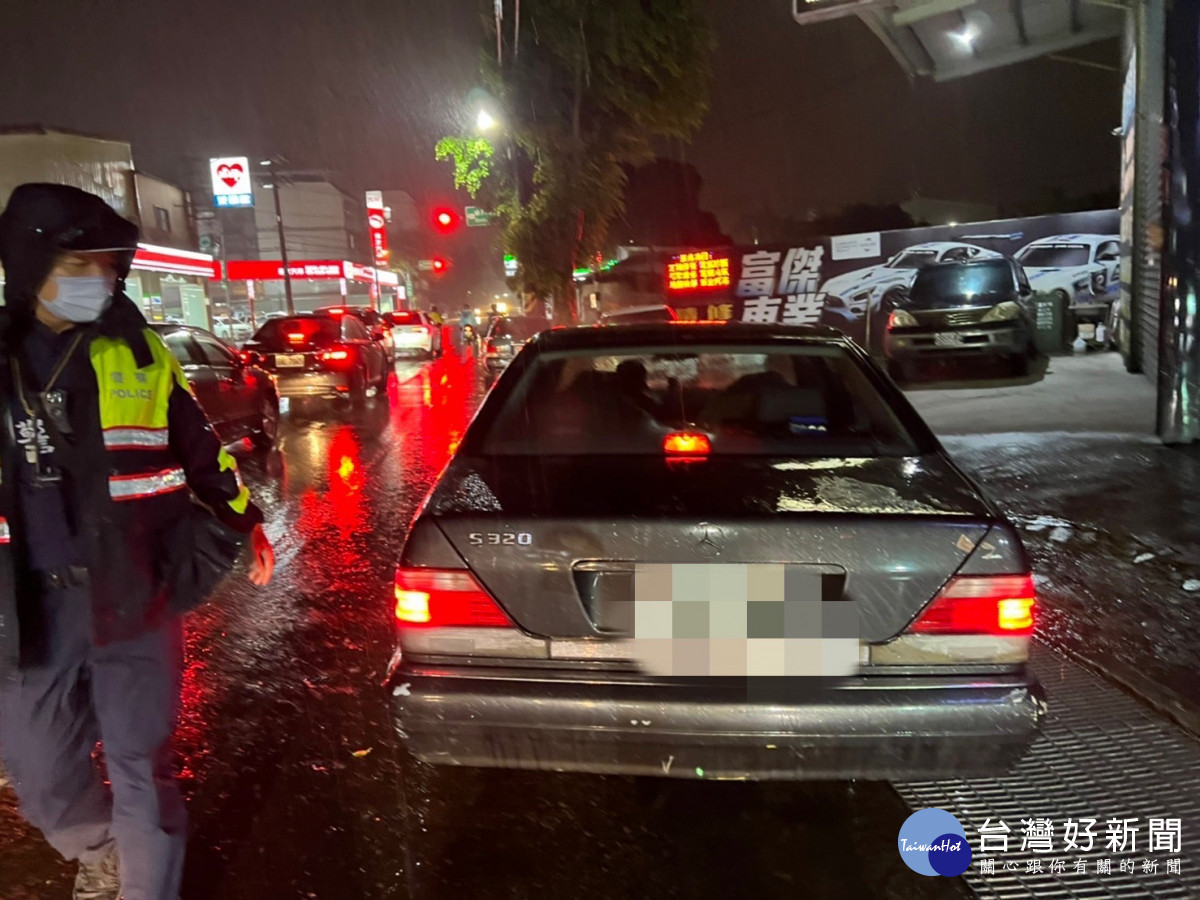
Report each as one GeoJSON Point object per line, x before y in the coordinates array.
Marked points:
{"type": "Point", "coordinates": [136, 460]}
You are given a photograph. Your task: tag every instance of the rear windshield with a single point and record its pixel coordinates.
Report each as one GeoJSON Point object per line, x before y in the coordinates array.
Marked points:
{"type": "Point", "coordinates": [802, 401]}
{"type": "Point", "coordinates": [519, 329]}
{"type": "Point", "coordinates": [370, 316]}
{"type": "Point", "coordinates": [289, 334]}
{"type": "Point", "coordinates": [953, 285]}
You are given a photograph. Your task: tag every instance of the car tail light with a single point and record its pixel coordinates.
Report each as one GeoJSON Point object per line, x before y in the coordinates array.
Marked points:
{"type": "Point", "coordinates": [491, 349]}
{"type": "Point", "coordinates": [687, 443]}
{"type": "Point", "coordinates": [981, 604]}
{"type": "Point", "coordinates": [433, 598]}
{"type": "Point", "coordinates": [297, 337]}
{"type": "Point", "coordinates": [337, 357]}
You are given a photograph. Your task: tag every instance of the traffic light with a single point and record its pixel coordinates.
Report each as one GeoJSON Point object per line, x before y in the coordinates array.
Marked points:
{"type": "Point", "coordinates": [441, 265]}
{"type": "Point", "coordinates": [446, 220]}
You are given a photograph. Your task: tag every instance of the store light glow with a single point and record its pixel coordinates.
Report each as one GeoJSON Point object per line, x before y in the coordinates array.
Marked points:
{"type": "Point", "coordinates": [698, 271]}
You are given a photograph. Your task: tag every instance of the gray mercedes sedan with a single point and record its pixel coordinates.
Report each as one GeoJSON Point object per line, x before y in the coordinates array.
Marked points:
{"type": "Point", "coordinates": [710, 550]}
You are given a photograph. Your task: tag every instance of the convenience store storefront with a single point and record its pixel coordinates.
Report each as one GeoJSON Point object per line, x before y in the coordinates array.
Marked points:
{"type": "Point", "coordinates": [315, 283]}
{"type": "Point", "coordinates": [171, 284]}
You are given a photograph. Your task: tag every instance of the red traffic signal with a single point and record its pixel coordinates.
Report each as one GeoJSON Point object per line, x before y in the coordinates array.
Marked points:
{"type": "Point", "coordinates": [446, 220]}
{"type": "Point", "coordinates": [440, 265]}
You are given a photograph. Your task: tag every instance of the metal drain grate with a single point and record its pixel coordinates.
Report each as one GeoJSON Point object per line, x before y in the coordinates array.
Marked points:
{"type": "Point", "coordinates": [1102, 755]}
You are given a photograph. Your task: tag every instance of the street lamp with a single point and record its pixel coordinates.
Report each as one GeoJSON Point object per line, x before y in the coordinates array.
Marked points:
{"type": "Point", "coordinates": [485, 121]}
{"type": "Point", "coordinates": [287, 275]}
{"type": "Point", "coordinates": [966, 37]}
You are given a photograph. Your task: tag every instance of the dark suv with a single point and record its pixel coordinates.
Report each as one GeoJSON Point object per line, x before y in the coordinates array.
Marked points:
{"type": "Point", "coordinates": [976, 308]}
{"type": "Point", "coordinates": [319, 356]}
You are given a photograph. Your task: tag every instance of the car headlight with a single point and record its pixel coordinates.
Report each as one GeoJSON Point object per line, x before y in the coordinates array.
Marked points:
{"type": "Point", "coordinates": [902, 319]}
{"type": "Point", "coordinates": [1002, 312]}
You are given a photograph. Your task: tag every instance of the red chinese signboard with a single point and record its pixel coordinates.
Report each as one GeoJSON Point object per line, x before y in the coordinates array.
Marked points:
{"type": "Point", "coordinates": [268, 269]}
{"type": "Point", "coordinates": [377, 228]}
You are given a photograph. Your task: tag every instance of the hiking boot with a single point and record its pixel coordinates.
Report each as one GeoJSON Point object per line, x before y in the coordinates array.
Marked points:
{"type": "Point", "coordinates": [99, 881]}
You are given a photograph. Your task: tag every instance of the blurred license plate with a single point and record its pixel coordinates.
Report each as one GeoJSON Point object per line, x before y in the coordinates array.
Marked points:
{"type": "Point", "coordinates": [290, 360]}
{"type": "Point", "coordinates": [948, 339]}
{"type": "Point", "coordinates": [742, 620]}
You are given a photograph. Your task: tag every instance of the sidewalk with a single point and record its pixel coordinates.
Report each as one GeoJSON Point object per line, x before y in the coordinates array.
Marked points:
{"type": "Point", "coordinates": [1087, 393]}
{"type": "Point", "coordinates": [1110, 516]}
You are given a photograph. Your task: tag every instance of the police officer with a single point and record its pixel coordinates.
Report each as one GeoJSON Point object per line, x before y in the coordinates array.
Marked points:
{"type": "Point", "coordinates": [110, 477]}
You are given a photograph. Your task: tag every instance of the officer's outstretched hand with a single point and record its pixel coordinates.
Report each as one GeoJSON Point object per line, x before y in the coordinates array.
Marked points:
{"type": "Point", "coordinates": [262, 565]}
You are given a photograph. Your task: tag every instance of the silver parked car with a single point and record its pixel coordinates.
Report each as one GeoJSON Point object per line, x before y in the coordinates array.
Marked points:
{"type": "Point", "coordinates": [884, 605]}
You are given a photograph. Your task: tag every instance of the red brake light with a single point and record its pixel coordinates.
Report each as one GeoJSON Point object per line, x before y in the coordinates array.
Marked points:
{"type": "Point", "coordinates": [981, 604]}
{"type": "Point", "coordinates": [687, 443]}
{"type": "Point", "coordinates": [445, 597]}
{"type": "Point", "coordinates": [333, 355]}
{"type": "Point", "coordinates": [297, 337]}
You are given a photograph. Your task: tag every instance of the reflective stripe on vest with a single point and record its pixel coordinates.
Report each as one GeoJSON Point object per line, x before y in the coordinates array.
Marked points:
{"type": "Point", "coordinates": [138, 487]}
{"type": "Point", "coordinates": [136, 438]}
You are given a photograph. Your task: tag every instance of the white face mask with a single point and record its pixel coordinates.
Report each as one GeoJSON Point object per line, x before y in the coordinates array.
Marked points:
{"type": "Point", "coordinates": [81, 298]}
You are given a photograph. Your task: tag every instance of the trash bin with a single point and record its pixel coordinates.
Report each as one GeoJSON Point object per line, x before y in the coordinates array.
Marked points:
{"type": "Point", "coordinates": [1050, 315]}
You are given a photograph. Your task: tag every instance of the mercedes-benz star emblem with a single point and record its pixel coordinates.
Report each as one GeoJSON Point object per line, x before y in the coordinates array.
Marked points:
{"type": "Point", "coordinates": [707, 544]}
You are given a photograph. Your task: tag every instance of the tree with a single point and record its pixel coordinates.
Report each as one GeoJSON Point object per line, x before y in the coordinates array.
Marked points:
{"type": "Point", "coordinates": [586, 91]}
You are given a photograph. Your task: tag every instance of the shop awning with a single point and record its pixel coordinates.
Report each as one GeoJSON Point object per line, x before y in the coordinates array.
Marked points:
{"type": "Point", "coordinates": [150, 258]}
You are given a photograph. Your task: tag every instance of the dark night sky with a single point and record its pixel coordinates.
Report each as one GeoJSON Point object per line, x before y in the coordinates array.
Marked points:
{"type": "Point", "coordinates": [818, 116]}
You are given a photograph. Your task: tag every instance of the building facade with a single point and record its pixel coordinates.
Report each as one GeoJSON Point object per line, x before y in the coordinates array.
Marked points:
{"type": "Point", "coordinates": [169, 279]}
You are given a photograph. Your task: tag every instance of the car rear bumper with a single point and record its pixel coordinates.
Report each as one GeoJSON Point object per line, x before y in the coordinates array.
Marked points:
{"type": "Point", "coordinates": [496, 363]}
{"type": "Point", "coordinates": [313, 384]}
{"type": "Point", "coordinates": [414, 343]}
{"type": "Point", "coordinates": [925, 727]}
{"type": "Point", "coordinates": [921, 343]}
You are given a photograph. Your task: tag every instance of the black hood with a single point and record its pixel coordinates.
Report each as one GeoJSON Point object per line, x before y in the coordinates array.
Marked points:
{"type": "Point", "coordinates": [44, 220]}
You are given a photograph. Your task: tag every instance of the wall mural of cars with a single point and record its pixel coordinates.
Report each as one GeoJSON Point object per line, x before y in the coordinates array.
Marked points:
{"type": "Point", "coordinates": [1084, 269]}
{"type": "Point", "coordinates": [836, 280]}
{"type": "Point", "coordinates": [863, 288]}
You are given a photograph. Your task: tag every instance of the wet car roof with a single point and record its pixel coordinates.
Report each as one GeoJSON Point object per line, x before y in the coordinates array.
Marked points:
{"type": "Point", "coordinates": [653, 333]}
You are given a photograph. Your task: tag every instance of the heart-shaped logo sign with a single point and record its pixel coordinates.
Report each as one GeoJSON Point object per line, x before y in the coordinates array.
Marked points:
{"type": "Point", "coordinates": [230, 174]}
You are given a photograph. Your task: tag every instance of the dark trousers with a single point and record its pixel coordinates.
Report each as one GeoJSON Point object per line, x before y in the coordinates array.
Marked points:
{"type": "Point", "coordinates": [125, 694]}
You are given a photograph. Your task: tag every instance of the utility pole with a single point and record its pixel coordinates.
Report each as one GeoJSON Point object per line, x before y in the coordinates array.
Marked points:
{"type": "Point", "coordinates": [287, 275]}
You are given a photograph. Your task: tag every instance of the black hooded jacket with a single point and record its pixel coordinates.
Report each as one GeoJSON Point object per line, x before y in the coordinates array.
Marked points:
{"type": "Point", "coordinates": [141, 555]}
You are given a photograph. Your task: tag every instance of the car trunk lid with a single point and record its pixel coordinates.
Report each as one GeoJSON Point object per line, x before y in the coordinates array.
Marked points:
{"type": "Point", "coordinates": [555, 540]}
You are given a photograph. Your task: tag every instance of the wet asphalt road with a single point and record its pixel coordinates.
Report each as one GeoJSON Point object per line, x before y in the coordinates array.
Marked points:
{"type": "Point", "coordinates": [293, 777]}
